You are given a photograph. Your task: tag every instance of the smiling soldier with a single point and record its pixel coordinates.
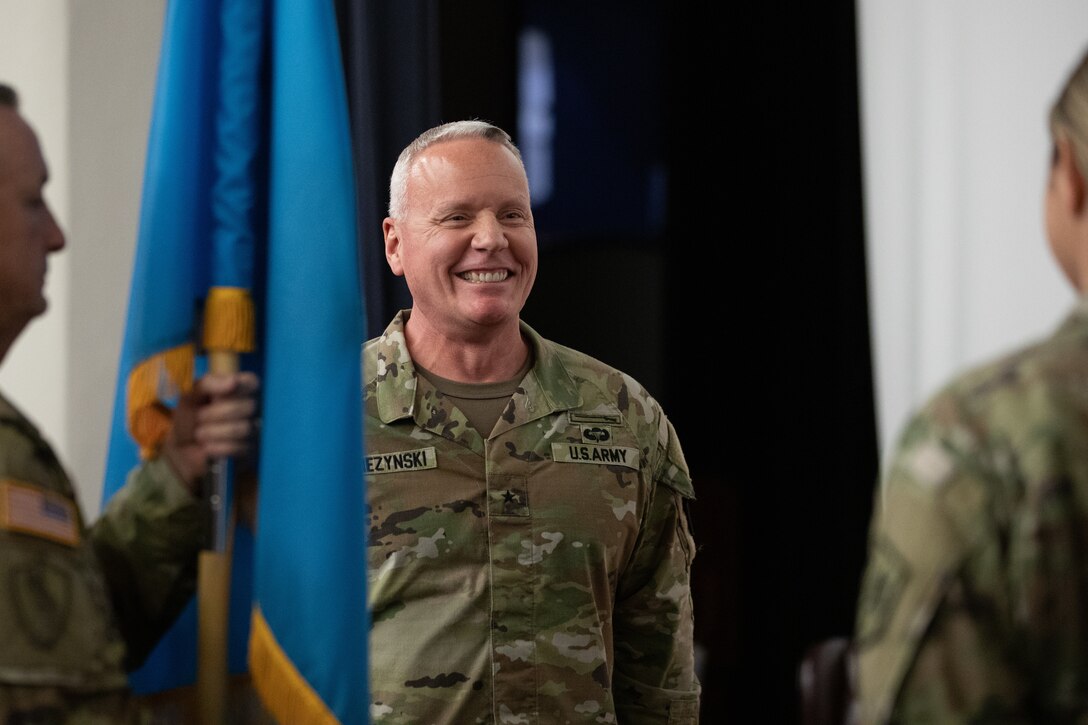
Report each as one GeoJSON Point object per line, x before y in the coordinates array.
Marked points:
{"type": "Point", "coordinates": [534, 567]}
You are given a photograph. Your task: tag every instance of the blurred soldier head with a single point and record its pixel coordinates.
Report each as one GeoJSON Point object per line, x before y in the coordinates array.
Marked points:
{"type": "Point", "coordinates": [1066, 208]}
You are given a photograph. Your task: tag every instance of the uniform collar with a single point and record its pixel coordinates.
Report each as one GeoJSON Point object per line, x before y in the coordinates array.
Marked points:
{"type": "Point", "coordinates": [546, 388]}
{"type": "Point", "coordinates": [8, 411]}
{"type": "Point", "coordinates": [1076, 320]}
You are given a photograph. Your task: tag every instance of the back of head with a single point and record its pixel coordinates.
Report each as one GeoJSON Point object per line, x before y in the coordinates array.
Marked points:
{"type": "Point", "coordinates": [1069, 114]}
{"type": "Point", "coordinates": [398, 180]}
{"type": "Point", "coordinates": [8, 97]}
{"type": "Point", "coordinates": [9, 100]}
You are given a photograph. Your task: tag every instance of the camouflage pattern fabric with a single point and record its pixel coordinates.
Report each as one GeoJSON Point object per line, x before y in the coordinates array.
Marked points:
{"type": "Point", "coordinates": [77, 605]}
{"type": "Point", "coordinates": [974, 604]}
{"type": "Point", "coordinates": [540, 575]}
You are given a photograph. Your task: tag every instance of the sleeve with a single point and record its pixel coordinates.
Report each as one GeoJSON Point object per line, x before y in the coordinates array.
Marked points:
{"type": "Point", "coordinates": [933, 623]}
{"type": "Point", "coordinates": [147, 540]}
{"type": "Point", "coordinates": [654, 678]}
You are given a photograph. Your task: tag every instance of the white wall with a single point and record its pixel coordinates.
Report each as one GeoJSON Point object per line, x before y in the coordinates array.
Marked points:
{"type": "Point", "coordinates": [955, 96]}
{"type": "Point", "coordinates": [85, 70]}
{"type": "Point", "coordinates": [34, 58]}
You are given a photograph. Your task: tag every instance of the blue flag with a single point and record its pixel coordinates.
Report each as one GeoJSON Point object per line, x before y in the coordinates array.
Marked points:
{"type": "Point", "coordinates": [247, 243]}
{"type": "Point", "coordinates": [308, 651]}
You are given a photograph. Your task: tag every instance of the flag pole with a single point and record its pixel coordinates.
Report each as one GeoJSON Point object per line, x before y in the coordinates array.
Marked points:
{"type": "Point", "coordinates": [213, 581]}
{"type": "Point", "coordinates": [229, 313]}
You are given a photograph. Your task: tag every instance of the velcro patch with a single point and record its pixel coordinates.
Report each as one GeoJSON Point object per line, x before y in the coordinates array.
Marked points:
{"type": "Point", "coordinates": [418, 460]}
{"type": "Point", "coordinates": [882, 587]}
{"type": "Point", "coordinates": [599, 455]}
{"type": "Point", "coordinates": [596, 433]}
{"type": "Point", "coordinates": [599, 419]}
{"type": "Point", "coordinates": [507, 495]}
{"type": "Point", "coordinates": [32, 510]}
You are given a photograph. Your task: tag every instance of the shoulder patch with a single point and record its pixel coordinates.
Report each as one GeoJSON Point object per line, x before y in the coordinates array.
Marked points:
{"type": "Point", "coordinates": [41, 595]}
{"type": "Point", "coordinates": [35, 511]}
{"type": "Point", "coordinates": [886, 577]}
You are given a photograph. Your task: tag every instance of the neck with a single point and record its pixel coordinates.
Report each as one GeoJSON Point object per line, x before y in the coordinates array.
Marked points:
{"type": "Point", "coordinates": [487, 358]}
{"type": "Point", "coordinates": [7, 339]}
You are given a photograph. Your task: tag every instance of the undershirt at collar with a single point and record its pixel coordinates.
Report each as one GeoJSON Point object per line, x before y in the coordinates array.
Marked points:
{"type": "Point", "coordinates": [482, 403]}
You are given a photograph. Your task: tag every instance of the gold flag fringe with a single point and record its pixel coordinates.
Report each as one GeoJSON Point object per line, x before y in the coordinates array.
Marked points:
{"type": "Point", "coordinates": [229, 323]}
{"type": "Point", "coordinates": [161, 376]}
{"type": "Point", "coordinates": [282, 689]}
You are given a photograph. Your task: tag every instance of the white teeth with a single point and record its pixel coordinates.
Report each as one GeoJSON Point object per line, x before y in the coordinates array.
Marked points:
{"type": "Point", "coordinates": [497, 276]}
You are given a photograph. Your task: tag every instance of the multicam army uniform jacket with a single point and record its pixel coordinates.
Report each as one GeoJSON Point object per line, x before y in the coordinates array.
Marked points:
{"type": "Point", "coordinates": [540, 575]}
{"type": "Point", "coordinates": [974, 604]}
{"type": "Point", "coordinates": [78, 605]}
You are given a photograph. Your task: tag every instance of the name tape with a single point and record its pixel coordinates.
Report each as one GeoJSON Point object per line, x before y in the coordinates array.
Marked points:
{"type": "Point", "coordinates": [417, 460]}
{"type": "Point", "coordinates": [599, 455]}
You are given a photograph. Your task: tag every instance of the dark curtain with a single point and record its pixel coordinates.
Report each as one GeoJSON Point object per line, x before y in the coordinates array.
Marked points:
{"type": "Point", "coordinates": [390, 57]}
{"type": "Point", "coordinates": [410, 65]}
{"type": "Point", "coordinates": [803, 466]}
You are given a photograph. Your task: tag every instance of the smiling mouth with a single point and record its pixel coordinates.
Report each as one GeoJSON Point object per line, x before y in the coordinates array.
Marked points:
{"type": "Point", "coordinates": [482, 277]}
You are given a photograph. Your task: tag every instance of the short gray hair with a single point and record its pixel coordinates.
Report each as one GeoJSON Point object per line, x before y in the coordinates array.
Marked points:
{"type": "Point", "coordinates": [398, 181]}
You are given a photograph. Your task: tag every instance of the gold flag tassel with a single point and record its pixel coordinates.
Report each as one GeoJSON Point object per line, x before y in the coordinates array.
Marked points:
{"type": "Point", "coordinates": [161, 377]}
{"type": "Point", "coordinates": [229, 320]}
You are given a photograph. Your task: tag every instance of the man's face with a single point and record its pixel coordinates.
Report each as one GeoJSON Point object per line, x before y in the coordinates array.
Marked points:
{"type": "Point", "coordinates": [466, 244]}
{"type": "Point", "coordinates": [28, 232]}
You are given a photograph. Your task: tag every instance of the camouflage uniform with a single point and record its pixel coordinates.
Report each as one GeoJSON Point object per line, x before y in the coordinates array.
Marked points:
{"type": "Point", "coordinates": [974, 604]}
{"type": "Point", "coordinates": [77, 605]}
{"type": "Point", "coordinates": [540, 575]}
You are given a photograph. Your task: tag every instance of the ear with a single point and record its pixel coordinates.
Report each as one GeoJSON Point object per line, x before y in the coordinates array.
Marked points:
{"type": "Point", "coordinates": [392, 246]}
{"type": "Point", "coordinates": [1069, 178]}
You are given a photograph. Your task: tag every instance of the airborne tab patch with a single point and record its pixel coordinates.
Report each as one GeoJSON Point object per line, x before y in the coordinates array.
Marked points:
{"type": "Point", "coordinates": [418, 460]}
{"type": "Point", "coordinates": [600, 455]}
{"type": "Point", "coordinates": [32, 510]}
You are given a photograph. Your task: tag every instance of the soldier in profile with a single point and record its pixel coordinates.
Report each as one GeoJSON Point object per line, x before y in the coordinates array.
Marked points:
{"type": "Point", "coordinates": [82, 605]}
{"type": "Point", "coordinates": [974, 604]}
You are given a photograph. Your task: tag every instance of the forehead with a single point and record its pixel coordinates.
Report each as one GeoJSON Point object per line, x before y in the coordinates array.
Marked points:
{"type": "Point", "coordinates": [465, 165]}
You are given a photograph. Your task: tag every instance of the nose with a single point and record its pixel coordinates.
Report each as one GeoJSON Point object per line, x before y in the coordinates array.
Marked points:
{"type": "Point", "coordinates": [53, 234]}
{"type": "Point", "coordinates": [490, 235]}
